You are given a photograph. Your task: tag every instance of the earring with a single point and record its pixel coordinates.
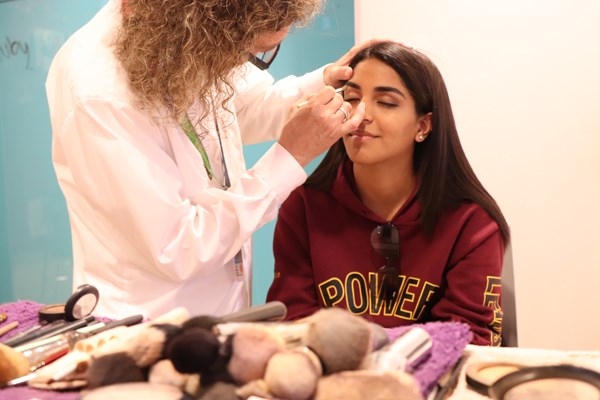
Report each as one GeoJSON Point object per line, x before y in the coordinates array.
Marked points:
{"type": "Point", "coordinates": [420, 137]}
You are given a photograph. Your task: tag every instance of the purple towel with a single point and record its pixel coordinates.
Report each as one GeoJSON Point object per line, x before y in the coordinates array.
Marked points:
{"type": "Point", "coordinates": [449, 341]}
{"type": "Point", "coordinates": [24, 312]}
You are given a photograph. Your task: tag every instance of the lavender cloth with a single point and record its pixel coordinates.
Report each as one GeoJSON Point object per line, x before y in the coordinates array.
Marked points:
{"type": "Point", "coordinates": [449, 341]}
{"type": "Point", "coordinates": [24, 312]}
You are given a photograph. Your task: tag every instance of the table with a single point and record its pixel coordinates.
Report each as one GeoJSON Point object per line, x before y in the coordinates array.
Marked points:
{"type": "Point", "coordinates": [526, 356]}
{"type": "Point", "coordinates": [449, 343]}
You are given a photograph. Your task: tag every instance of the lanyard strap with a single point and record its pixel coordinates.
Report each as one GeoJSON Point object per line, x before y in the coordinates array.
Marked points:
{"type": "Point", "coordinates": [238, 260]}
{"type": "Point", "coordinates": [189, 130]}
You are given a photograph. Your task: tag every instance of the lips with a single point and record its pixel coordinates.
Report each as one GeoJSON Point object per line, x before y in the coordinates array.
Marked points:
{"type": "Point", "coordinates": [362, 134]}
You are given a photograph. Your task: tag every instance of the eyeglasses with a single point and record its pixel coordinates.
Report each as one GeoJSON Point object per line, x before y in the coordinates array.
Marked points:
{"type": "Point", "coordinates": [265, 59]}
{"type": "Point", "coordinates": [385, 240]}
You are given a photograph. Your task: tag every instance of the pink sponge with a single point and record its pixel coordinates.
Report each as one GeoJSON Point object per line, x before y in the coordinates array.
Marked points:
{"type": "Point", "coordinates": [252, 347]}
{"type": "Point", "coordinates": [293, 374]}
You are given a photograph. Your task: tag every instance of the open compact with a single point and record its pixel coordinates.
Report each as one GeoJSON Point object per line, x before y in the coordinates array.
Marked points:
{"type": "Point", "coordinates": [508, 381]}
{"type": "Point", "coordinates": [81, 304]}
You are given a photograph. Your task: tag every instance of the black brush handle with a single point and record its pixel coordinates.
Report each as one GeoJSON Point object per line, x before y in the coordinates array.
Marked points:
{"type": "Point", "coordinates": [272, 311]}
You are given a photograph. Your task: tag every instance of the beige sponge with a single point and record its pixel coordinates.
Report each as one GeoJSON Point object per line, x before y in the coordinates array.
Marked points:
{"type": "Point", "coordinates": [12, 364]}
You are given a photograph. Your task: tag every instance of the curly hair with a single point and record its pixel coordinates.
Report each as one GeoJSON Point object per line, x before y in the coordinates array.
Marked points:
{"type": "Point", "coordinates": [178, 52]}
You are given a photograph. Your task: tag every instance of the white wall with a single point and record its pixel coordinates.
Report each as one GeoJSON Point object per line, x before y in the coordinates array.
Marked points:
{"type": "Point", "coordinates": [524, 79]}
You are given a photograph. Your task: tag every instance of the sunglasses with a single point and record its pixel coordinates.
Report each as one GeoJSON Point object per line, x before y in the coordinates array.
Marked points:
{"type": "Point", "coordinates": [265, 59]}
{"type": "Point", "coordinates": [385, 240]}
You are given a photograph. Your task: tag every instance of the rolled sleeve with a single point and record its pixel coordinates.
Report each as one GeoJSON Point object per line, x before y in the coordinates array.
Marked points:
{"type": "Point", "coordinates": [281, 171]}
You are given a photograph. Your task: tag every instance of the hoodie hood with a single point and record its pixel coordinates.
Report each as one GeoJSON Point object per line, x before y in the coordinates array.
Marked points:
{"type": "Point", "coordinates": [344, 190]}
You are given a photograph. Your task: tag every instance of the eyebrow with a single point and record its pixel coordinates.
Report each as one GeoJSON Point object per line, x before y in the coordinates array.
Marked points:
{"type": "Point", "coordinates": [382, 89]}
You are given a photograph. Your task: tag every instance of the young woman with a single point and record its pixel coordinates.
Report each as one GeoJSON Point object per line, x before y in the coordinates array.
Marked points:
{"type": "Point", "coordinates": [393, 225]}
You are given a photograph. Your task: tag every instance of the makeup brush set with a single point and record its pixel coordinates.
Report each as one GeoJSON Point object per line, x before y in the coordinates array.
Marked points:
{"type": "Point", "coordinates": [329, 355]}
{"type": "Point", "coordinates": [251, 354]}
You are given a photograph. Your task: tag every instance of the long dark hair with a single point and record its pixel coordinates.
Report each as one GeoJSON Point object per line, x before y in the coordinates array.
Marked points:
{"type": "Point", "coordinates": [444, 173]}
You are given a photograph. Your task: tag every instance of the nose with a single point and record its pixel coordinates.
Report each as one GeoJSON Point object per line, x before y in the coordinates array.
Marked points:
{"type": "Point", "coordinates": [368, 117]}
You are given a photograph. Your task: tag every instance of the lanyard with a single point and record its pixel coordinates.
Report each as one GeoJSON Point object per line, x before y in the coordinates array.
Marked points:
{"type": "Point", "coordinates": [191, 133]}
{"type": "Point", "coordinates": [189, 130]}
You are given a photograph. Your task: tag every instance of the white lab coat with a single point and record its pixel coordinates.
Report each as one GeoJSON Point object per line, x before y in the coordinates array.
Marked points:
{"type": "Point", "coordinates": [149, 229]}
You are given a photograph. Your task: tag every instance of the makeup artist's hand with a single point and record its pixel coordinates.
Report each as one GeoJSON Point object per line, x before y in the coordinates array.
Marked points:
{"type": "Point", "coordinates": [337, 73]}
{"type": "Point", "coordinates": [315, 126]}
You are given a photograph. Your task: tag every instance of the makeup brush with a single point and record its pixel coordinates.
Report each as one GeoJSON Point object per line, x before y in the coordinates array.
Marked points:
{"type": "Point", "coordinates": [338, 90]}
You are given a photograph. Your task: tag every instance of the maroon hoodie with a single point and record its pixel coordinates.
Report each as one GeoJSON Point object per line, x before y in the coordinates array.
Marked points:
{"type": "Point", "coordinates": [324, 258]}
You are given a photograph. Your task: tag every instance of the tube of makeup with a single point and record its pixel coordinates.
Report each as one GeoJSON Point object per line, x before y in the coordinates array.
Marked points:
{"type": "Point", "coordinates": [411, 346]}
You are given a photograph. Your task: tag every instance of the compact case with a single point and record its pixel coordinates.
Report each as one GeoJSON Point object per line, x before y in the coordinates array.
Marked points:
{"type": "Point", "coordinates": [81, 304]}
{"type": "Point", "coordinates": [504, 381]}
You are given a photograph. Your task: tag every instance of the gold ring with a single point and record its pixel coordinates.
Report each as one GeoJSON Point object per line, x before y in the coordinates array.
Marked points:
{"type": "Point", "coordinates": [346, 115]}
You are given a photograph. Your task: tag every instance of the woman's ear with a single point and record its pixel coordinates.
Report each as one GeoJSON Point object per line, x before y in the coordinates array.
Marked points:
{"type": "Point", "coordinates": [425, 123]}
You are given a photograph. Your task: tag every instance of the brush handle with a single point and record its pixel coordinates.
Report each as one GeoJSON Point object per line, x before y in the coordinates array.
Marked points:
{"type": "Point", "coordinates": [272, 311]}
{"type": "Point", "coordinates": [9, 327]}
{"type": "Point", "coordinates": [128, 321]}
{"type": "Point", "coordinates": [66, 327]}
{"type": "Point", "coordinates": [338, 90]}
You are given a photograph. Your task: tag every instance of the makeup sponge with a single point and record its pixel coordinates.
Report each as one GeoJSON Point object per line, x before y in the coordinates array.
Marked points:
{"type": "Point", "coordinates": [341, 340]}
{"type": "Point", "coordinates": [293, 374]}
{"type": "Point", "coordinates": [12, 364]}
{"type": "Point", "coordinates": [252, 347]}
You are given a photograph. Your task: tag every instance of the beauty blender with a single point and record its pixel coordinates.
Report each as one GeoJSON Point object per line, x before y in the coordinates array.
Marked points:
{"type": "Point", "coordinates": [340, 339]}
{"type": "Point", "coordinates": [252, 347]}
{"type": "Point", "coordinates": [335, 341]}
{"type": "Point", "coordinates": [12, 364]}
{"type": "Point", "coordinates": [293, 374]}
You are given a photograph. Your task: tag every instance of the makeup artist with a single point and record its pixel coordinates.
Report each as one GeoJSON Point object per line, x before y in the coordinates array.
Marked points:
{"type": "Point", "coordinates": [150, 103]}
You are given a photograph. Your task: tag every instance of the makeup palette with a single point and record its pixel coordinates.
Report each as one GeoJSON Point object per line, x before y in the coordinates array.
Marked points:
{"type": "Point", "coordinates": [504, 381]}
{"type": "Point", "coordinates": [81, 304]}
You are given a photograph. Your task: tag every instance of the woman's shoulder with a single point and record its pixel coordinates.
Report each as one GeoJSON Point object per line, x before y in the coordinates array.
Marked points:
{"type": "Point", "coordinates": [307, 196]}
{"type": "Point", "coordinates": [468, 219]}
